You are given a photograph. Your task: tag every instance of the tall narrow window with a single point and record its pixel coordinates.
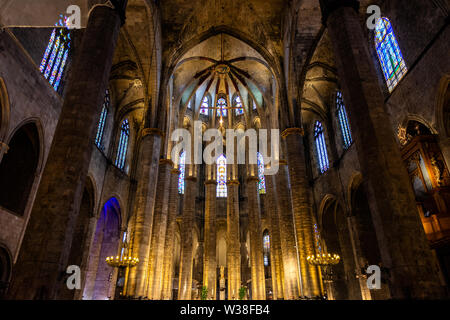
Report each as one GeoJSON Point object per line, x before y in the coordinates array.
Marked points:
{"type": "Point", "coordinates": [317, 238]}
{"type": "Point", "coordinates": [57, 53]}
{"type": "Point", "coordinates": [343, 120]}
{"type": "Point", "coordinates": [205, 106]}
{"type": "Point", "coordinates": [262, 180]}
{"type": "Point", "coordinates": [321, 147]}
{"type": "Point", "coordinates": [221, 177]}
{"type": "Point", "coordinates": [389, 54]}
{"type": "Point", "coordinates": [189, 106]}
{"type": "Point", "coordinates": [254, 105]}
{"type": "Point", "coordinates": [182, 168]}
{"type": "Point", "coordinates": [123, 144]}
{"type": "Point", "coordinates": [238, 106]}
{"type": "Point", "coordinates": [221, 107]}
{"type": "Point", "coordinates": [102, 121]}
{"type": "Point", "coordinates": [266, 247]}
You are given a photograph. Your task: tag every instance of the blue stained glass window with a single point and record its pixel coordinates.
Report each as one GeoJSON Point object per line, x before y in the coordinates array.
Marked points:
{"type": "Point", "coordinates": [102, 121]}
{"type": "Point", "coordinates": [123, 144]}
{"type": "Point", "coordinates": [238, 105]}
{"type": "Point", "coordinates": [321, 147]}
{"type": "Point", "coordinates": [262, 180]}
{"type": "Point", "coordinates": [221, 190]}
{"type": "Point", "coordinates": [221, 105]}
{"type": "Point", "coordinates": [182, 168]}
{"type": "Point", "coordinates": [343, 120]}
{"type": "Point", "coordinates": [389, 54]}
{"type": "Point", "coordinates": [205, 105]}
{"type": "Point", "coordinates": [57, 52]}
{"type": "Point", "coordinates": [317, 238]}
{"type": "Point", "coordinates": [266, 247]}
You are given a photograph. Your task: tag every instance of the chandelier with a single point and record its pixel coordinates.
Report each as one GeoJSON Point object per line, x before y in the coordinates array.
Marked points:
{"type": "Point", "coordinates": [323, 259]}
{"type": "Point", "coordinates": [124, 260]}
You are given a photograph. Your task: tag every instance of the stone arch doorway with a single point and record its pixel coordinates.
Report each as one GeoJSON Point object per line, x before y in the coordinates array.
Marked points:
{"type": "Point", "coordinates": [101, 278]}
{"type": "Point", "coordinates": [18, 168]}
{"type": "Point", "coordinates": [337, 240]}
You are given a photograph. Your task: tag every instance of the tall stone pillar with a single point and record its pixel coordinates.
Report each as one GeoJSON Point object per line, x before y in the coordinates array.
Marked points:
{"type": "Point", "coordinates": [159, 230]}
{"type": "Point", "coordinates": [275, 240]}
{"type": "Point", "coordinates": [169, 242]}
{"type": "Point", "coordinates": [256, 241]}
{"type": "Point", "coordinates": [147, 173]}
{"type": "Point", "coordinates": [403, 245]}
{"type": "Point", "coordinates": [209, 260]}
{"type": "Point", "coordinates": [288, 246]}
{"type": "Point", "coordinates": [302, 209]}
{"type": "Point", "coordinates": [187, 237]}
{"type": "Point", "coordinates": [233, 242]}
{"type": "Point", "coordinates": [43, 257]}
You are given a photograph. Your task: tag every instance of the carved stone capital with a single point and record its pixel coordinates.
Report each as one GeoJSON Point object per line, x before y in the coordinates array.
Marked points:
{"type": "Point", "coordinates": [152, 131]}
{"type": "Point", "coordinates": [233, 183]}
{"type": "Point", "coordinates": [252, 178]}
{"type": "Point", "coordinates": [210, 182]}
{"type": "Point", "coordinates": [166, 161]}
{"type": "Point", "coordinates": [290, 131]}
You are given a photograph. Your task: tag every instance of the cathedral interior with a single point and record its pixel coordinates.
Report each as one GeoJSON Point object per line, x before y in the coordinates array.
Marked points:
{"type": "Point", "coordinates": [89, 181]}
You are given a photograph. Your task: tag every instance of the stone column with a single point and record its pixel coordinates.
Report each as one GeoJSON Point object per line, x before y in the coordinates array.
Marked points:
{"type": "Point", "coordinates": [256, 241]}
{"type": "Point", "coordinates": [168, 266]}
{"type": "Point", "coordinates": [275, 240]}
{"type": "Point", "coordinates": [159, 230]}
{"type": "Point", "coordinates": [233, 242]}
{"type": "Point", "coordinates": [288, 251]}
{"type": "Point", "coordinates": [187, 236]}
{"type": "Point", "coordinates": [42, 262]}
{"type": "Point", "coordinates": [147, 173]}
{"type": "Point", "coordinates": [403, 245]}
{"type": "Point", "coordinates": [302, 209]}
{"type": "Point", "coordinates": [209, 260]}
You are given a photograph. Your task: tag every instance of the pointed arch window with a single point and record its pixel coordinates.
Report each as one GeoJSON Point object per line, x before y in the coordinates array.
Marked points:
{"type": "Point", "coordinates": [189, 106]}
{"type": "Point", "coordinates": [57, 52]}
{"type": "Point", "coordinates": [238, 106]}
{"type": "Point", "coordinates": [254, 105]}
{"type": "Point", "coordinates": [343, 120]}
{"type": "Point", "coordinates": [221, 107]}
{"type": "Point", "coordinates": [321, 147]}
{"type": "Point", "coordinates": [317, 239]}
{"type": "Point", "coordinates": [221, 190]}
{"type": "Point", "coordinates": [102, 121]}
{"type": "Point", "coordinates": [266, 248]}
{"type": "Point", "coordinates": [182, 168]}
{"type": "Point", "coordinates": [389, 54]}
{"type": "Point", "coordinates": [205, 105]}
{"type": "Point", "coordinates": [123, 144]}
{"type": "Point", "coordinates": [262, 180]}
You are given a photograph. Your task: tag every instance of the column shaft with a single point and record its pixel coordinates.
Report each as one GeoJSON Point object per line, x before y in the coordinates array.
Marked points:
{"type": "Point", "coordinates": [302, 210]}
{"type": "Point", "coordinates": [187, 237]}
{"type": "Point", "coordinates": [43, 256]}
{"type": "Point", "coordinates": [159, 230]}
{"type": "Point", "coordinates": [209, 261]}
{"type": "Point", "coordinates": [147, 173]}
{"type": "Point", "coordinates": [233, 242]}
{"type": "Point", "coordinates": [256, 241]}
{"type": "Point", "coordinates": [170, 236]}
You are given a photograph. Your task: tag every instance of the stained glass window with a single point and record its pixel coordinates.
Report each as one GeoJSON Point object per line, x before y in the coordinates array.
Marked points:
{"type": "Point", "coordinates": [321, 147]}
{"type": "Point", "coordinates": [262, 180]}
{"type": "Point", "coordinates": [343, 120]}
{"type": "Point", "coordinates": [123, 144]}
{"type": "Point", "coordinates": [182, 168]}
{"type": "Point", "coordinates": [205, 105]}
{"type": "Point", "coordinates": [221, 105]}
{"type": "Point", "coordinates": [57, 53]}
{"type": "Point", "coordinates": [254, 105]}
{"type": "Point", "coordinates": [102, 121]}
{"type": "Point", "coordinates": [221, 177]}
{"type": "Point", "coordinates": [389, 54]}
{"type": "Point", "coordinates": [317, 239]}
{"type": "Point", "coordinates": [238, 105]}
{"type": "Point", "coordinates": [266, 247]}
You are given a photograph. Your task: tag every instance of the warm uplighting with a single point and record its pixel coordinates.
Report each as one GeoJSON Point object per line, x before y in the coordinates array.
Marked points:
{"type": "Point", "coordinates": [323, 259]}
